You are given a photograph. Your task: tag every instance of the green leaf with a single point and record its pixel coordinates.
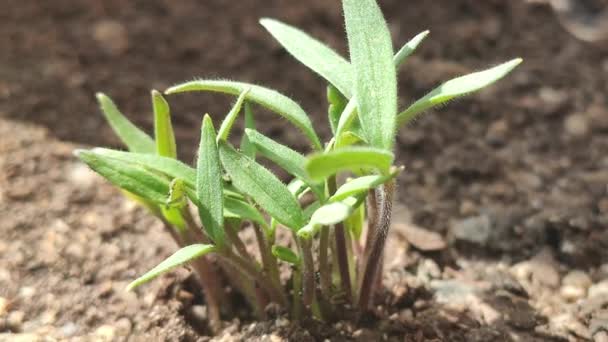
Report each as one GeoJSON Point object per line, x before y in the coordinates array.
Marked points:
{"type": "Point", "coordinates": [176, 202]}
{"type": "Point", "coordinates": [361, 185]}
{"type": "Point", "coordinates": [235, 208]}
{"type": "Point", "coordinates": [285, 254]}
{"type": "Point", "coordinates": [312, 53]}
{"type": "Point", "coordinates": [320, 166]}
{"type": "Point", "coordinates": [226, 126]}
{"type": "Point", "coordinates": [177, 194]}
{"type": "Point", "coordinates": [179, 258]}
{"type": "Point", "coordinates": [171, 167]}
{"type": "Point", "coordinates": [347, 117]}
{"type": "Point", "coordinates": [371, 54]}
{"type": "Point", "coordinates": [209, 189]}
{"type": "Point", "coordinates": [163, 130]}
{"type": "Point", "coordinates": [253, 180]}
{"type": "Point", "coordinates": [247, 148]}
{"type": "Point", "coordinates": [409, 48]}
{"type": "Point", "coordinates": [349, 138]}
{"type": "Point", "coordinates": [288, 159]}
{"type": "Point", "coordinates": [134, 138]}
{"type": "Point", "coordinates": [330, 214]}
{"type": "Point", "coordinates": [265, 97]}
{"type": "Point", "coordinates": [298, 188]}
{"type": "Point", "coordinates": [337, 103]}
{"type": "Point", "coordinates": [458, 87]}
{"type": "Point", "coordinates": [128, 176]}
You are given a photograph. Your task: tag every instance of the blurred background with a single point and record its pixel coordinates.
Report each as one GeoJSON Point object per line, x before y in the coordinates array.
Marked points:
{"type": "Point", "coordinates": [516, 170]}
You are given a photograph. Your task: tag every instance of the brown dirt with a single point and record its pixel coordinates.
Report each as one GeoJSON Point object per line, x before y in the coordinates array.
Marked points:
{"type": "Point", "coordinates": [514, 180]}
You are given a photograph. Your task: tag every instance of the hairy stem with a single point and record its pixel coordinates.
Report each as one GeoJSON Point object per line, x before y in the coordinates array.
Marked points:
{"type": "Point", "coordinates": [324, 264]}
{"type": "Point", "coordinates": [253, 270]}
{"type": "Point", "coordinates": [269, 262]}
{"type": "Point", "coordinates": [297, 294]}
{"type": "Point", "coordinates": [308, 273]}
{"type": "Point", "coordinates": [341, 250]}
{"type": "Point", "coordinates": [377, 246]}
{"type": "Point", "coordinates": [208, 280]}
{"type": "Point", "coordinates": [233, 237]}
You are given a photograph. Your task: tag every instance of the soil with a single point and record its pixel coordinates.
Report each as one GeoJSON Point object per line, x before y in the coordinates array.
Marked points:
{"type": "Point", "coordinates": [500, 231]}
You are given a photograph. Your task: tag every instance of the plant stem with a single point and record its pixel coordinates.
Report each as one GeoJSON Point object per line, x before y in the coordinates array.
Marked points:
{"type": "Point", "coordinates": [341, 251]}
{"type": "Point", "coordinates": [253, 271]}
{"type": "Point", "coordinates": [377, 247]}
{"type": "Point", "coordinates": [210, 283]}
{"type": "Point", "coordinates": [324, 264]}
{"type": "Point", "coordinates": [269, 262]}
{"type": "Point", "coordinates": [297, 294]}
{"type": "Point", "coordinates": [308, 273]}
{"type": "Point", "coordinates": [234, 238]}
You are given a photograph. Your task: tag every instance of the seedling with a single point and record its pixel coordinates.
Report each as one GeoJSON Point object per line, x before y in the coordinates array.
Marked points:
{"type": "Point", "coordinates": [347, 222]}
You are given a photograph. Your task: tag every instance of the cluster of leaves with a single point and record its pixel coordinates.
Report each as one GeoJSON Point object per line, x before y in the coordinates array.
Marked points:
{"type": "Point", "coordinates": [340, 233]}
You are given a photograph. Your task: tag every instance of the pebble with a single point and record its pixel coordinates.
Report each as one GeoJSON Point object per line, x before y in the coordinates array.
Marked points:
{"type": "Point", "coordinates": [420, 238]}
{"type": "Point", "coordinates": [123, 327]}
{"type": "Point", "coordinates": [111, 36]}
{"type": "Point", "coordinates": [601, 336]}
{"type": "Point", "coordinates": [452, 291]}
{"type": "Point", "coordinates": [475, 229]}
{"type": "Point", "coordinates": [572, 293]}
{"type": "Point", "coordinates": [598, 289]}
{"type": "Point", "coordinates": [4, 305]}
{"type": "Point", "coordinates": [576, 125]}
{"type": "Point", "coordinates": [577, 278]}
{"type": "Point", "coordinates": [540, 269]}
{"type": "Point", "coordinates": [81, 175]}
{"type": "Point", "coordinates": [69, 329]}
{"type": "Point", "coordinates": [106, 333]}
{"type": "Point", "coordinates": [199, 313]}
{"type": "Point", "coordinates": [15, 320]}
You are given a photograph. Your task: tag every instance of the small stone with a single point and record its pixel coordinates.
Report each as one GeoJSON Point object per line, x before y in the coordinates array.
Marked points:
{"type": "Point", "coordinates": [572, 293]}
{"type": "Point", "coordinates": [275, 338]}
{"type": "Point", "coordinates": [598, 289]}
{"type": "Point", "coordinates": [111, 36]}
{"type": "Point", "coordinates": [123, 327]}
{"type": "Point", "coordinates": [577, 278]}
{"type": "Point", "coordinates": [476, 229]}
{"type": "Point", "coordinates": [106, 333]}
{"type": "Point", "coordinates": [420, 238]}
{"type": "Point", "coordinates": [69, 329]}
{"type": "Point", "coordinates": [553, 100]}
{"type": "Point", "coordinates": [452, 291]}
{"type": "Point", "coordinates": [576, 125]}
{"type": "Point", "coordinates": [184, 296]}
{"type": "Point", "coordinates": [541, 269]}
{"type": "Point", "coordinates": [199, 313]}
{"type": "Point", "coordinates": [468, 208]}
{"type": "Point", "coordinates": [21, 337]}
{"type": "Point", "coordinates": [4, 306]}
{"type": "Point", "coordinates": [15, 320]}
{"type": "Point", "coordinates": [27, 292]}
{"type": "Point", "coordinates": [81, 175]}
{"type": "Point", "coordinates": [497, 132]}
{"type": "Point", "coordinates": [600, 336]}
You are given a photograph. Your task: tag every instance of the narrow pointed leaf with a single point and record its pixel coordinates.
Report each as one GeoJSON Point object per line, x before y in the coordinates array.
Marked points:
{"type": "Point", "coordinates": [179, 258]}
{"type": "Point", "coordinates": [337, 103]}
{"type": "Point", "coordinates": [171, 167]}
{"type": "Point", "coordinates": [176, 202]}
{"type": "Point", "coordinates": [128, 176]}
{"type": "Point", "coordinates": [409, 48]}
{"type": "Point", "coordinates": [226, 127]}
{"type": "Point", "coordinates": [234, 208]}
{"type": "Point", "coordinates": [247, 148]}
{"type": "Point", "coordinates": [371, 54]}
{"type": "Point", "coordinates": [458, 87]}
{"type": "Point", "coordinates": [135, 139]}
{"type": "Point", "coordinates": [320, 166]}
{"type": "Point", "coordinates": [288, 159]}
{"type": "Point", "coordinates": [361, 185]}
{"type": "Point", "coordinates": [330, 214]}
{"type": "Point", "coordinates": [285, 254]}
{"type": "Point", "coordinates": [209, 189]}
{"type": "Point", "coordinates": [312, 53]}
{"type": "Point", "coordinates": [265, 97]}
{"type": "Point", "coordinates": [253, 180]}
{"type": "Point", "coordinates": [163, 130]}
